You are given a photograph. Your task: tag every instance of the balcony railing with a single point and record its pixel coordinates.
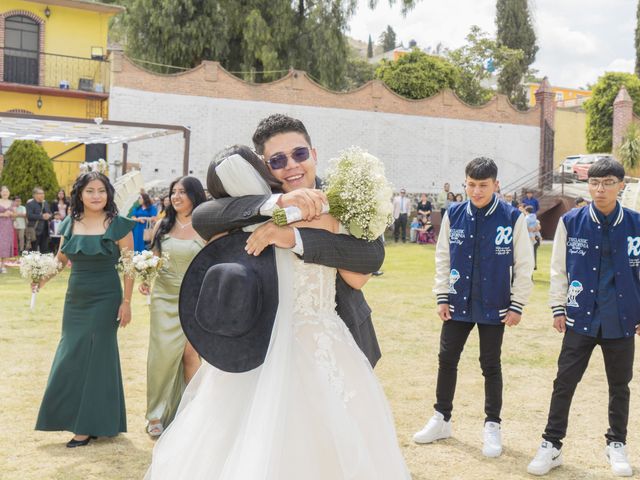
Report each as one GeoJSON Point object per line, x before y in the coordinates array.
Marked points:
{"type": "Point", "coordinates": [52, 70]}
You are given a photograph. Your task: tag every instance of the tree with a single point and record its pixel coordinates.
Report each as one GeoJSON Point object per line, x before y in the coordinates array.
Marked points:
{"type": "Point", "coordinates": [387, 39]}
{"type": "Point", "coordinates": [515, 31]}
{"type": "Point", "coordinates": [600, 108]}
{"type": "Point", "coordinates": [638, 40]}
{"type": "Point", "coordinates": [628, 152]}
{"type": "Point", "coordinates": [370, 48]}
{"type": "Point", "coordinates": [258, 40]}
{"type": "Point", "coordinates": [418, 75]}
{"type": "Point", "coordinates": [27, 165]}
{"type": "Point", "coordinates": [358, 72]}
{"type": "Point", "coordinates": [477, 60]}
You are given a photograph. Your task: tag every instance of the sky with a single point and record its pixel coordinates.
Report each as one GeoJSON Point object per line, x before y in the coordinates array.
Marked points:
{"type": "Point", "coordinates": [579, 40]}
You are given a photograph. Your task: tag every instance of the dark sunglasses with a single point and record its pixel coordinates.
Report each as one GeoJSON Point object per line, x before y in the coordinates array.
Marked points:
{"type": "Point", "coordinates": [279, 160]}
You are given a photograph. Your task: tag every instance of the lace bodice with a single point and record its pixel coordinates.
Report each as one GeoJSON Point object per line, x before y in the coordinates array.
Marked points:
{"type": "Point", "coordinates": [315, 289]}
{"type": "Point", "coordinates": [318, 326]}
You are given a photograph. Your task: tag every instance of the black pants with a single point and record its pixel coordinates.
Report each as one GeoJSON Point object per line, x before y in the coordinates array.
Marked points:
{"type": "Point", "coordinates": [453, 337]}
{"type": "Point", "coordinates": [400, 224]}
{"type": "Point", "coordinates": [572, 363]}
{"type": "Point", "coordinates": [54, 244]}
{"type": "Point", "coordinates": [42, 242]}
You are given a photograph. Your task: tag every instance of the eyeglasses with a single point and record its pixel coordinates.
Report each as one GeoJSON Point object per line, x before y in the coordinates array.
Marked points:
{"type": "Point", "coordinates": [607, 183]}
{"type": "Point", "coordinates": [280, 159]}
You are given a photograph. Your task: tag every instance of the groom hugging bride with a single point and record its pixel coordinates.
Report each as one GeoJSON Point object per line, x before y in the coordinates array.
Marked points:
{"type": "Point", "coordinates": [287, 389]}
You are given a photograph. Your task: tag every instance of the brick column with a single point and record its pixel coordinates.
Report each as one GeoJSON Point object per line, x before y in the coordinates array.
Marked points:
{"type": "Point", "coordinates": [546, 99]}
{"type": "Point", "coordinates": [622, 116]}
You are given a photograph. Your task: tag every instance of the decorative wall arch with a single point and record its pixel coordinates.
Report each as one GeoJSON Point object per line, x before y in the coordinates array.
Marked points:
{"type": "Point", "coordinates": [41, 27]}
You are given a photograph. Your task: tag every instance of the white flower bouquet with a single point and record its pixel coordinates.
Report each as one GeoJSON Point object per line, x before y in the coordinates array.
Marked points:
{"type": "Point", "coordinates": [98, 166]}
{"type": "Point", "coordinates": [359, 195]}
{"type": "Point", "coordinates": [143, 266]}
{"type": "Point", "coordinates": [35, 267]}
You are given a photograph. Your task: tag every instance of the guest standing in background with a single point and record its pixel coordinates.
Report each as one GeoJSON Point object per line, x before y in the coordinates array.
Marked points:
{"type": "Point", "coordinates": [164, 204]}
{"type": "Point", "coordinates": [6, 227]}
{"type": "Point", "coordinates": [443, 199]}
{"type": "Point", "coordinates": [413, 230]}
{"type": "Point", "coordinates": [533, 225]}
{"type": "Point", "coordinates": [172, 361]}
{"type": "Point", "coordinates": [142, 214]}
{"type": "Point", "coordinates": [401, 210]}
{"type": "Point", "coordinates": [38, 216]}
{"type": "Point", "coordinates": [62, 204]}
{"type": "Point", "coordinates": [54, 232]}
{"type": "Point", "coordinates": [424, 207]}
{"type": "Point", "coordinates": [531, 200]}
{"type": "Point", "coordinates": [84, 393]}
{"type": "Point", "coordinates": [20, 223]}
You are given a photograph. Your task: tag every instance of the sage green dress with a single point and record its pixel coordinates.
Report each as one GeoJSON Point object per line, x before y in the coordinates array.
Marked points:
{"type": "Point", "coordinates": [84, 393]}
{"type": "Point", "coordinates": [165, 375]}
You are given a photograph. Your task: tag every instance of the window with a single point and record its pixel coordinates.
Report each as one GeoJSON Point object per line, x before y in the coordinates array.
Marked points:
{"type": "Point", "coordinates": [21, 50]}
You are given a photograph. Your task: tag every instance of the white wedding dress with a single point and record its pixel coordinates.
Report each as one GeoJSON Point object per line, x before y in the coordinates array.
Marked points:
{"type": "Point", "coordinates": [313, 411]}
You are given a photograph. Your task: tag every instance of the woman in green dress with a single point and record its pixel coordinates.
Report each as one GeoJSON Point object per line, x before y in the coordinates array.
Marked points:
{"type": "Point", "coordinates": [84, 393]}
{"type": "Point", "coordinates": [171, 361]}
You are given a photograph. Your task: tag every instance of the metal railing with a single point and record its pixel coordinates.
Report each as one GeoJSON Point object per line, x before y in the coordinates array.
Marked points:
{"type": "Point", "coordinates": [52, 70]}
{"type": "Point", "coordinates": [532, 181]}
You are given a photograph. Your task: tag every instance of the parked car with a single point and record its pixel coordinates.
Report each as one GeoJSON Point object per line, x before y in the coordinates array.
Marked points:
{"type": "Point", "coordinates": [566, 166]}
{"type": "Point", "coordinates": [581, 167]}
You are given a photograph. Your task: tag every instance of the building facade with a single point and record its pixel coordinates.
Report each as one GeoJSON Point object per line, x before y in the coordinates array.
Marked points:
{"type": "Point", "coordinates": [53, 61]}
{"type": "Point", "coordinates": [565, 96]}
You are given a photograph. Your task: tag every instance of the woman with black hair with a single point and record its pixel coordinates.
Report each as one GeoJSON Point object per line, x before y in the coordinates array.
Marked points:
{"type": "Point", "coordinates": [62, 204]}
{"type": "Point", "coordinates": [144, 213]}
{"type": "Point", "coordinates": [84, 394]}
{"type": "Point", "coordinates": [171, 361]}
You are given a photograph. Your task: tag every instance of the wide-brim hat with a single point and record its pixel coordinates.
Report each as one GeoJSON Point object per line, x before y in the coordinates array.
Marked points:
{"type": "Point", "coordinates": [228, 303]}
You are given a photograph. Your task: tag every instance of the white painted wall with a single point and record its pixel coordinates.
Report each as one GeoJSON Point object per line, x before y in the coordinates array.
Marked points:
{"type": "Point", "coordinates": [420, 153]}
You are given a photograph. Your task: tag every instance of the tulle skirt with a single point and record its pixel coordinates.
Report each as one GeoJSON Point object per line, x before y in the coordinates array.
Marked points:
{"type": "Point", "coordinates": [313, 411]}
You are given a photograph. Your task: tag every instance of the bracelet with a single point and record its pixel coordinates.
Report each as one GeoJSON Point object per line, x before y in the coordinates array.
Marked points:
{"type": "Point", "coordinates": [126, 300]}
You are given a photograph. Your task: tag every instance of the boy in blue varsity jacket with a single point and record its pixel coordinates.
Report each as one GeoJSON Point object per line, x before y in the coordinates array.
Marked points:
{"type": "Point", "coordinates": [595, 298]}
{"type": "Point", "coordinates": [484, 263]}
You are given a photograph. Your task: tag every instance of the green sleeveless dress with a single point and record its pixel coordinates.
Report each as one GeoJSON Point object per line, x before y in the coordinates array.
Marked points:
{"type": "Point", "coordinates": [165, 376]}
{"type": "Point", "coordinates": [84, 393]}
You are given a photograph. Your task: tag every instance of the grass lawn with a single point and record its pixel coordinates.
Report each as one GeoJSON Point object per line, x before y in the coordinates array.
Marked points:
{"type": "Point", "coordinates": [408, 330]}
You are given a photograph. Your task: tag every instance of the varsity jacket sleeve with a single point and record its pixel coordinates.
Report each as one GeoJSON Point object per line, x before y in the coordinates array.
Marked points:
{"type": "Point", "coordinates": [559, 283]}
{"type": "Point", "coordinates": [443, 263]}
{"type": "Point", "coordinates": [523, 264]}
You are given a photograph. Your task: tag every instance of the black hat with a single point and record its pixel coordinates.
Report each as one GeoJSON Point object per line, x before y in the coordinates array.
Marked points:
{"type": "Point", "coordinates": [228, 303]}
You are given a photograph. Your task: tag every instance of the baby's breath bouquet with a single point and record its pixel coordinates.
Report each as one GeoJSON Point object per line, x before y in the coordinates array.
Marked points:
{"type": "Point", "coordinates": [99, 165]}
{"type": "Point", "coordinates": [358, 192]}
{"type": "Point", "coordinates": [36, 266]}
{"type": "Point", "coordinates": [144, 266]}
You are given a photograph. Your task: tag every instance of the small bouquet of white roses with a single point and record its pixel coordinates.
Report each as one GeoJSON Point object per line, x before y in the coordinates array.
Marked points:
{"type": "Point", "coordinates": [35, 267]}
{"type": "Point", "coordinates": [144, 266]}
{"type": "Point", "coordinates": [358, 192]}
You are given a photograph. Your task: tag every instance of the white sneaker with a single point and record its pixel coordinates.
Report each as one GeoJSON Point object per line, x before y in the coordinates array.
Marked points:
{"type": "Point", "coordinates": [617, 456]}
{"type": "Point", "coordinates": [546, 458]}
{"type": "Point", "coordinates": [435, 429]}
{"type": "Point", "coordinates": [492, 440]}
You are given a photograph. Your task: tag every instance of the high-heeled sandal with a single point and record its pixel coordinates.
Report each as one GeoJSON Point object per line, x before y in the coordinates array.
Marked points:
{"type": "Point", "coordinates": [155, 429]}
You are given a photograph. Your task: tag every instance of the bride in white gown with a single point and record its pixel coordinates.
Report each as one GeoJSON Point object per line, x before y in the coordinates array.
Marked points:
{"type": "Point", "coordinates": [314, 410]}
